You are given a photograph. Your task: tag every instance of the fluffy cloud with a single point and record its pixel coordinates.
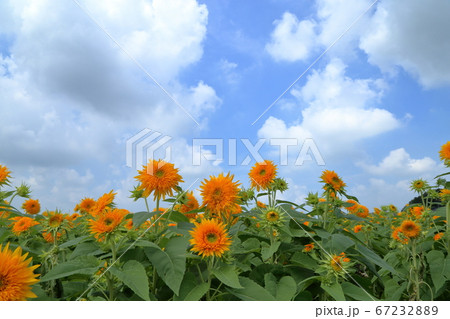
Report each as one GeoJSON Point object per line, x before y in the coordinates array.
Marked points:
{"type": "Point", "coordinates": [400, 163]}
{"type": "Point", "coordinates": [291, 40]}
{"type": "Point", "coordinates": [339, 110]}
{"type": "Point", "coordinates": [414, 37]}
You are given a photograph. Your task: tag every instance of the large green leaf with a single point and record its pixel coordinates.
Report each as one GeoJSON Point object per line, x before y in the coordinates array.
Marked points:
{"type": "Point", "coordinates": [251, 291]}
{"type": "Point", "coordinates": [86, 249]}
{"type": "Point", "coordinates": [338, 243]}
{"type": "Point", "coordinates": [267, 250]}
{"type": "Point", "coordinates": [393, 290]}
{"type": "Point", "coordinates": [84, 265]}
{"type": "Point", "coordinates": [439, 268]}
{"type": "Point", "coordinates": [74, 241]}
{"type": "Point", "coordinates": [286, 289]}
{"type": "Point", "coordinates": [334, 290]}
{"type": "Point", "coordinates": [356, 292]}
{"type": "Point", "coordinates": [371, 256]}
{"type": "Point", "coordinates": [134, 276]}
{"type": "Point", "coordinates": [170, 263]}
{"type": "Point", "coordinates": [228, 275]}
{"type": "Point", "coordinates": [140, 217]}
{"type": "Point", "coordinates": [198, 292]}
{"type": "Point", "coordinates": [304, 260]}
{"type": "Point", "coordinates": [177, 217]}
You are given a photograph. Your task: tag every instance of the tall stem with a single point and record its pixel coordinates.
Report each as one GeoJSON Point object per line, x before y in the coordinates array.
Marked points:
{"type": "Point", "coordinates": [447, 216]}
{"type": "Point", "coordinates": [415, 270]}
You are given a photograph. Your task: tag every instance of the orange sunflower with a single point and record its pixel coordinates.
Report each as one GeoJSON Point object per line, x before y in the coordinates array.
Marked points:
{"type": "Point", "coordinates": [48, 236]}
{"type": "Point", "coordinates": [16, 275]}
{"type": "Point", "coordinates": [54, 219]}
{"type": "Point", "coordinates": [337, 262]}
{"type": "Point", "coordinates": [86, 205]}
{"type": "Point", "coordinates": [190, 205]}
{"type": "Point", "coordinates": [103, 202]}
{"type": "Point", "coordinates": [444, 153]}
{"type": "Point", "coordinates": [354, 208]}
{"type": "Point", "coordinates": [159, 178]}
{"type": "Point", "coordinates": [417, 211]}
{"type": "Point", "coordinates": [410, 229]}
{"type": "Point", "coordinates": [357, 228]}
{"type": "Point", "coordinates": [4, 175]}
{"type": "Point", "coordinates": [362, 211]}
{"type": "Point", "coordinates": [107, 223]}
{"type": "Point", "coordinates": [332, 181]}
{"type": "Point", "coordinates": [219, 193]}
{"type": "Point", "coordinates": [262, 174]}
{"type": "Point", "coordinates": [396, 235]}
{"type": "Point", "coordinates": [209, 238]}
{"type": "Point", "coordinates": [308, 247]}
{"type": "Point", "coordinates": [438, 236]}
{"type": "Point", "coordinates": [22, 224]}
{"type": "Point", "coordinates": [31, 206]}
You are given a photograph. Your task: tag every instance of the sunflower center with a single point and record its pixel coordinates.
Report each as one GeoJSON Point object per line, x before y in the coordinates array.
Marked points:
{"type": "Point", "coordinates": [211, 237]}
{"type": "Point", "coordinates": [159, 173]}
{"type": "Point", "coordinates": [108, 221]}
{"type": "Point", "coordinates": [262, 172]}
{"type": "Point", "coordinates": [272, 216]}
{"type": "Point", "coordinates": [3, 282]}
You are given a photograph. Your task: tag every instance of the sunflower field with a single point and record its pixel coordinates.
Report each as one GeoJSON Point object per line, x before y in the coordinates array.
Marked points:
{"type": "Point", "coordinates": [235, 244]}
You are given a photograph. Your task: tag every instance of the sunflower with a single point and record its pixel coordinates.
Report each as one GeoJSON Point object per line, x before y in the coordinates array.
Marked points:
{"type": "Point", "coordinates": [22, 224]}
{"type": "Point", "coordinates": [438, 236]}
{"type": "Point", "coordinates": [445, 195]}
{"type": "Point", "coordinates": [362, 211]}
{"type": "Point", "coordinates": [48, 236]}
{"type": "Point", "coordinates": [54, 218]}
{"type": "Point", "coordinates": [129, 224]}
{"type": "Point", "coordinates": [4, 175]}
{"type": "Point", "coordinates": [190, 205]}
{"type": "Point", "coordinates": [419, 185]}
{"type": "Point", "coordinates": [31, 206]}
{"type": "Point", "coordinates": [332, 181]}
{"type": "Point", "coordinates": [417, 211]}
{"type": "Point", "coordinates": [3, 214]}
{"type": "Point", "coordinates": [357, 228]}
{"type": "Point", "coordinates": [337, 262]}
{"type": "Point", "coordinates": [355, 205]}
{"type": "Point", "coordinates": [377, 211]}
{"type": "Point", "coordinates": [107, 223]}
{"type": "Point", "coordinates": [261, 204]}
{"type": "Point", "coordinates": [219, 193]}
{"type": "Point", "coordinates": [16, 276]}
{"type": "Point", "coordinates": [392, 208]}
{"type": "Point", "coordinates": [103, 202]}
{"type": "Point", "coordinates": [444, 153]}
{"type": "Point", "coordinates": [262, 174]}
{"type": "Point", "coordinates": [396, 235]}
{"type": "Point", "coordinates": [85, 205]}
{"type": "Point", "coordinates": [209, 238]}
{"type": "Point", "coordinates": [308, 247]}
{"type": "Point", "coordinates": [159, 178]}
{"type": "Point", "coordinates": [410, 229]}
{"type": "Point", "coordinates": [272, 215]}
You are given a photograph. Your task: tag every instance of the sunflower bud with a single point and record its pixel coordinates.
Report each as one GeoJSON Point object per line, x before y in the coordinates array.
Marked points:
{"type": "Point", "coordinates": [23, 190]}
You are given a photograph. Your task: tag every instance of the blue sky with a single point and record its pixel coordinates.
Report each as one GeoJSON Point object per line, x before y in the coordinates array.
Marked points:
{"type": "Point", "coordinates": [375, 105]}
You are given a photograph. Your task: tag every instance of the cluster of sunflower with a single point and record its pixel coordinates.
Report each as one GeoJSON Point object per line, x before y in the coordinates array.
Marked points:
{"type": "Point", "coordinates": [230, 243]}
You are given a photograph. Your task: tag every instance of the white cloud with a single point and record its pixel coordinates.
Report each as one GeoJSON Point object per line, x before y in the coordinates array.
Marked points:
{"type": "Point", "coordinates": [400, 163]}
{"type": "Point", "coordinates": [339, 111]}
{"type": "Point", "coordinates": [229, 71]}
{"type": "Point", "coordinates": [291, 40]}
{"type": "Point", "coordinates": [412, 36]}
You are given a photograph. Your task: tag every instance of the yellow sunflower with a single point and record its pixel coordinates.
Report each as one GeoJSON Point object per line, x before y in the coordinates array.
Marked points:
{"type": "Point", "coordinates": [158, 177]}
{"type": "Point", "coordinates": [16, 275]}
{"type": "Point", "coordinates": [219, 193]}
{"type": "Point", "coordinates": [48, 236]}
{"type": "Point", "coordinates": [445, 195]}
{"type": "Point", "coordinates": [54, 219]}
{"type": "Point", "coordinates": [190, 205]}
{"type": "Point", "coordinates": [103, 202]}
{"type": "Point", "coordinates": [31, 206]}
{"type": "Point", "coordinates": [332, 181]}
{"type": "Point", "coordinates": [4, 175]}
{"type": "Point", "coordinates": [22, 224]}
{"type": "Point", "coordinates": [107, 223]}
{"type": "Point", "coordinates": [337, 261]}
{"type": "Point", "coordinates": [262, 174]}
{"type": "Point", "coordinates": [410, 229]}
{"type": "Point", "coordinates": [444, 153]}
{"type": "Point", "coordinates": [209, 238]}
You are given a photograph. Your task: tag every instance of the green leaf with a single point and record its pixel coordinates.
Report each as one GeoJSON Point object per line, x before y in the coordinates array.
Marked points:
{"type": "Point", "coordinates": [268, 251]}
{"type": "Point", "coordinates": [371, 256]}
{"type": "Point", "coordinates": [134, 276]}
{"type": "Point", "coordinates": [86, 249]}
{"type": "Point", "coordinates": [251, 245]}
{"type": "Point", "coordinates": [286, 289]}
{"type": "Point", "coordinates": [439, 267]}
{"type": "Point", "coordinates": [338, 243]}
{"type": "Point", "coordinates": [270, 283]}
{"type": "Point", "coordinates": [74, 241]}
{"type": "Point", "coordinates": [393, 291]}
{"type": "Point", "coordinates": [335, 291]}
{"type": "Point", "coordinates": [251, 291]}
{"type": "Point", "coordinates": [84, 265]}
{"type": "Point", "coordinates": [140, 217]}
{"type": "Point", "coordinates": [356, 292]}
{"type": "Point", "coordinates": [304, 260]}
{"type": "Point", "coordinates": [171, 263]}
{"type": "Point", "coordinates": [228, 275]}
{"type": "Point", "coordinates": [198, 292]}
{"type": "Point", "coordinates": [177, 217]}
